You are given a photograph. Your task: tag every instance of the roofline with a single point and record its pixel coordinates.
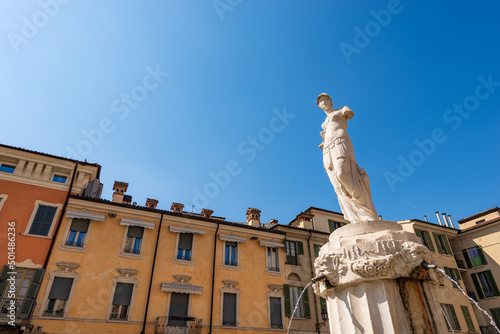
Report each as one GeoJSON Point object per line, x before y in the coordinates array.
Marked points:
{"type": "Point", "coordinates": [170, 213]}
{"type": "Point", "coordinates": [53, 156]}
{"type": "Point", "coordinates": [299, 228]}
{"type": "Point", "coordinates": [315, 208]}
{"type": "Point", "coordinates": [472, 228]}
{"type": "Point", "coordinates": [477, 215]}
{"type": "Point", "coordinates": [428, 223]}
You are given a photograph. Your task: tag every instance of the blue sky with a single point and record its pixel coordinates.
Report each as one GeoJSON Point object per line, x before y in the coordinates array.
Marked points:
{"type": "Point", "coordinates": [212, 103]}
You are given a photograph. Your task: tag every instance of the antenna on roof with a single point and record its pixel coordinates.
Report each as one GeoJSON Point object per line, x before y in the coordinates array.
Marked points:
{"type": "Point", "coordinates": [192, 208]}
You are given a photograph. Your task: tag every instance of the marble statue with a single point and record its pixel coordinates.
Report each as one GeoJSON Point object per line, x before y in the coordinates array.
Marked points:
{"type": "Point", "coordinates": [351, 183]}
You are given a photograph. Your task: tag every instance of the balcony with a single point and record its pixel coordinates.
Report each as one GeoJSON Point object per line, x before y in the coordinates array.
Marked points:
{"type": "Point", "coordinates": [16, 311]}
{"type": "Point", "coordinates": [177, 325]}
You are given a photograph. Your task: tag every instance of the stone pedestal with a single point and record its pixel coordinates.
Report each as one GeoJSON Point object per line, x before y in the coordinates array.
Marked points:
{"type": "Point", "coordinates": [373, 277]}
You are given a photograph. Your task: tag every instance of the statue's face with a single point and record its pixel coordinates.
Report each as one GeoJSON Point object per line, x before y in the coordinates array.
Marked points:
{"type": "Point", "coordinates": [325, 103]}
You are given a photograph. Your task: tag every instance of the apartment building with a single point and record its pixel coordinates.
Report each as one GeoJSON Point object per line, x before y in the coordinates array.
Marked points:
{"type": "Point", "coordinates": [34, 188]}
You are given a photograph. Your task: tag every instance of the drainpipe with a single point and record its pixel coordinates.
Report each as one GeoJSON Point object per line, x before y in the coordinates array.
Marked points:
{"type": "Point", "coordinates": [312, 275]}
{"type": "Point", "coordinates": [59, 221]}
{"type": "Point", "coordinates": [151, 278]}
{"type": "Point", "coordinates": [213, 280]}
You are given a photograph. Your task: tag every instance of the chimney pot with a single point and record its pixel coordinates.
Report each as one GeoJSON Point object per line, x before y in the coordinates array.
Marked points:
{"type": "Point", "coordinates": [119, 189]}
{"type": "Point", "coordinates": [177, 207]}
{"type": "Point", "coordinates": [274, 221]}
{"type": "Point", "coordinates": [253, 217]}
{"type": "Point", "coordinates": [151, 203]}
{"type": "Point", "coordinates": [206, 213]}
{"type": "Point", "coordinates": [451, 221]}
{"type": "Point", "coordinates": [439, 219]}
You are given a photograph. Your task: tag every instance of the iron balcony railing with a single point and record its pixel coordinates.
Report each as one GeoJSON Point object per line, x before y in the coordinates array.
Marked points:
{"type": "Point", "coordinates": [17, 311]}
{"type": "Point", "coordinates": [177, 325]}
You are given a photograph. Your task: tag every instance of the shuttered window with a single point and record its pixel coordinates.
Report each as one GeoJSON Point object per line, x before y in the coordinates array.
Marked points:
{"type": "Point", "coordinates": [293, 249]}
{"type": "Point", "coordinates": [468, 318]}
{"type": "Point", "coordinates": [179, 304]}
{"type": "Point", "coordinates": [316, 249]}
{"type": "Point", "coordinates": [123, 294]}
{"type": "Point", "coordinates": [61, 288]}
{"type": "Point", "coordinates": [450, 317]}
{"type": "Point", "coordinates": [442, 244]}
{"type": "Point", "coordinates": [474, 257]}
{"type": "Point", "coordinates": [275, 312]}
{"type": "Point", "coordinates": [495, 313]}
{"type": "Point", "coordinates": [229, 309]}
{"type": "Point", "coordinates": [77, 232]}
{"type": "Point", "coordinates": [134, 239]}
{"type": "Point", "coordinates": [185, 246]}
{"type": "Point", "coordinates": [292, 294]}
{"type": "Point", "coordinates": [43, 220]}
{"type": "Point", "coordinates": [426, 239]}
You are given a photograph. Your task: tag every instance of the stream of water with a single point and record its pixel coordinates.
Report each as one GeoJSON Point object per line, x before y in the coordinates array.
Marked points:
{"type": "Point", "coordinates": [472, 300]}
{"type": "Point", "coordinates": [296, 305]}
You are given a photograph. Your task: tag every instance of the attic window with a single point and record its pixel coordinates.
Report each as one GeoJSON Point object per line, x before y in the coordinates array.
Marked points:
{"type": "Point", "coordinates": [480, 221]}
{"type": "Point", "coordinates": [7, 168]}
{"type": "Point", "coordinates": [59, 178]}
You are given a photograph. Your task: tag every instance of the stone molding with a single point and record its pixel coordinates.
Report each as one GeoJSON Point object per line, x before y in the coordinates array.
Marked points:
{"type": "Point", "coordinates": [84, 214]}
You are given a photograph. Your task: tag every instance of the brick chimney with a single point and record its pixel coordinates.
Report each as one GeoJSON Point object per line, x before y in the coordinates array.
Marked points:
{"type": "Point", "coordinates": [305, 220]}
{"type": "Point", "coordinates": [177, 207]}
{"type": "Point", "coordinates": [206, 213]}
{"type": "Point", "coordinates": [274, 221]}
{"type": "Point", "coordinates": [151, 203]}
{"type": "Point", "coordinates": [253, 217]}
{"type": "Point", "coordinates": [120, 188]}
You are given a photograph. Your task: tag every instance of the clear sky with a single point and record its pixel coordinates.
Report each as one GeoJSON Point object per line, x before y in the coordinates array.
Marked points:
{"type": "Point", "coordinates": [213, 103]}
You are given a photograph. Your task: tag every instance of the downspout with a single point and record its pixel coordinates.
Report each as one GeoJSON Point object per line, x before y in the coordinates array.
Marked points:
{"type": "Point", "coordinates": [213, 280]}
{"type": "Point", "coordinates": [61, 216]}
{"type": "Point", "coordinates": [151, 278]}
{"type": "Point", "coordinates": [312, 275]}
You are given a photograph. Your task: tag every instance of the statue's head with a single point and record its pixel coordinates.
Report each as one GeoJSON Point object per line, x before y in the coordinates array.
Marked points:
{"type": "Point", "coordinates": [324, 101]}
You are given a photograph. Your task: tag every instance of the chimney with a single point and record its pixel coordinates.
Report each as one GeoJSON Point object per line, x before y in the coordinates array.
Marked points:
{"type": "Point", "coordinates": [206, 213]}
{"type": "Point", "coordinates": [253, 217]}
{"type": "Point", "coordinates": [451, 221]}
{"type": "Point", "coordinates": [305, 220]}
{"type": "Point", "coordinates": [151, 203]}
{"type": "Point", "coordinates": [425, 217]}
{"type": "Point", "coordinates": [120, 188]}
{"type": "Point", "coordinates": [274, 221]}
{"type": "Point", "coordinates": [439, 219]}
{"type": "Point", "coordinates": [177, 207]}
{"type": "Point", "coordinates": [445, 220]}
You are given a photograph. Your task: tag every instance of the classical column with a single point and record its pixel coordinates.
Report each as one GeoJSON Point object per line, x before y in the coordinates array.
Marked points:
{"type": "Point", "coordinates": [375, 278]}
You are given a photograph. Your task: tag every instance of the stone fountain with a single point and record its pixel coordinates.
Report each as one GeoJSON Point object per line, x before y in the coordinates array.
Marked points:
{"type": "Point", "coordinates": [373, 274]}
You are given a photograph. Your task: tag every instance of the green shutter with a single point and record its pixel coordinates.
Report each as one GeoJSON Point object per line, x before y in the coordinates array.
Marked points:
{"type": "Point", "coordinates": [288, 309]}
{"type": "Point", "coordinates": [305, 301]}
{"type": "Point", "coordinates": [322, 302]}
{"type": "Point", "coordinates": [447, 271]}
{"type": "Point", "coordinates": [495, 314]}
{"type": "Point", "coordinates": [447, 244]}
{"type": "Point", "coordinates": [477, 286]}
{"type": "Point", "coordinates": [430, 241]}
{"type": "Point", "coordinates": [481, 255]}
{"type": "Point", "coordinates": [457, 274]}
{"type": "Point", "coordinates": [444, 316]}
{"type": "Point", "coordinates": [492, 282]}
{"type": "Point", "coordinates": [300, 248]}
{"type": "Point", "coordinates": [418, 233]}
{"type": "Point", "coordinates": [467, 258]}
{"type": "Point", "coordinates": [468, 319]}
{"type": "Point", "coordinates": [331, 225]}
{"type": "Point", "coordinates": [25, 310]}
{"type": "Point", "coordinates": [455, 319]}
{"type": "Point", "coordinates": [316, 250]}
{"type": "Point", "coordinates": [3, 279]}
{"type": "Point", "coordinates": [438, 244]}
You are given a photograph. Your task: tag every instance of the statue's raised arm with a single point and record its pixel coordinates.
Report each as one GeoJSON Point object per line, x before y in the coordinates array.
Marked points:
{"type": "Point", "coordinates": [351, 183]}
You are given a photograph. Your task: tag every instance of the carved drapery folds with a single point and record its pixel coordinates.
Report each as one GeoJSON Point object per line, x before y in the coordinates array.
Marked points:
{"type": "Point", "coordinates": [383, 259]}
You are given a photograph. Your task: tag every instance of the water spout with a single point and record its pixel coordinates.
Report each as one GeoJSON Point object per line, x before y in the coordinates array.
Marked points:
{"type": "Point", "coordinates": [472, 300]}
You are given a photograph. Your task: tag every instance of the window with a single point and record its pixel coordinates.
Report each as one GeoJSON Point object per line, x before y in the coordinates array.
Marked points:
{"type": "Point", "coordinates": [450, 317]}
{"type": "Point", "coordinates": [292, 294]}
{"type": "Point", "coordinates": [426, 239]}
{"type": "Point", "coordinates": [42, 222]}
{"type": "Point", "coordinates": [77, 232]}
{"type": "Point", "coordinates": [480, 221]}
{"type": "Point", "coordinates": [275, 312]}
{"type": "Point", "coordinates": [273, 259]}
{"type": "Point", "coordinates": [229, 309]}
{"type": "Point", "coordinates": [134, 239]}
{"type": "Point", "coordinates": [185, 246]}
{"type": "Point", "coordinates": [474, 257]}
{"type": "Point", "coordinates": [59, 178]}
{"type": "Point", "coordinates": [468, 319]}
{"type": "Point", "coordinates": [230, 253]}
{"type": "Point", "coordinates": [293, 249]}
{"type": "Point", "coordinates": [58, 297]}
{"type": "Point", "coordinates": [27, 282]}
{"type": "Point", "coordinates": [7, 168]}
{"type": "Point", "coordinates": [316, 249]}
{"type": "Point", "coordinates": [495, 314]}
{"type": "Point", "coordinates": [121, 301]}
{"type": "Point", "coordinates": [454, 274]}
{"type": "Point", "coordinates": [179, 307]}
{"type": "Point", "coordinates": [485, 284]}
{"type": "Point", "coordinates": [333, 225]}
{"type": "Point", "coordinates": [442, 244]}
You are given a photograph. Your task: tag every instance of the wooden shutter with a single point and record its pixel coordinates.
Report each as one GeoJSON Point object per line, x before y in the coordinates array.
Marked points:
{"type": "Point", "coordinates": [331, 225]}
{"type": "Point", "coordinates": [492, 282]}
{"type": "Point", "coordinates": [495, 313]}
{"type": "Point", "coordinates": [447, 271]}
{"type": "Point", "coordinates": [316, 250]}
{"type": "Point", "coordinates": [123, 294]}
{"type": "Point", "coordinates": [480, 293]}
{"type": "Point", "coordinates": [418, 233]}
{"type": "Point", "coordinates": [431, 246]}
{"type": "Point", "coordinates": [468, 319]}
{"type": "Point", "coordinates": [43, 220]}
{"type": "Point", "coordinates": [300, 248]}
{"type": "Point", "coordinates": [305, 300]}
{"type": "Point", "coordinates": [481, 255]}
{"type": "Point", "coordinates": [455, 318]}
{"type": "Point", "coordinates": [25, 310]}
{"type": "Point", "coordinates": [457, 274]}
{"type": "Point", "coordinates": [467, 258]}
{"type": "Point", "coordinates": [135, 232]}
{"type": "Point", "coordinates": [186, 241]}
{"type": "Point", "coordinates": [288, 309]}
{"type": "Point", "coordinates": [446, 320]}
{"type": "Point", "coordinates": [179, 303]}
{"type": "Point", "coordinates": [438, 244]}
{"type": "Point", "coordinates": [447, 244]}
{"type": "Point", "coordinates": [229, 309]}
